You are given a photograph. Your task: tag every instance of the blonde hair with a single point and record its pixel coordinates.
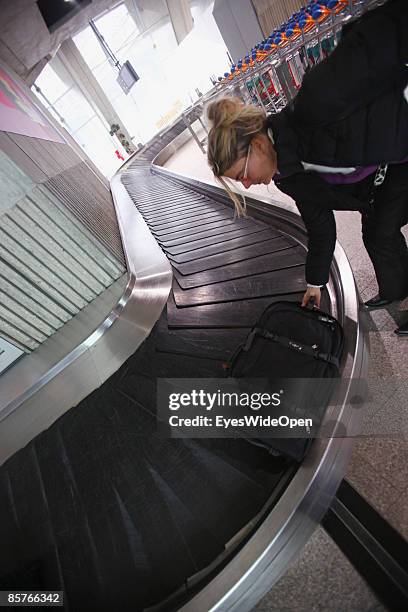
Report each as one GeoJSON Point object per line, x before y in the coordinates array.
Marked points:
{"type": "Point", "coordinates": [233, 125]}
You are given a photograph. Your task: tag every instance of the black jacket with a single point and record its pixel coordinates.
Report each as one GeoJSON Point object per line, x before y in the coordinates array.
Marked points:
{"type": "Point", "coordinates": [350, 111]}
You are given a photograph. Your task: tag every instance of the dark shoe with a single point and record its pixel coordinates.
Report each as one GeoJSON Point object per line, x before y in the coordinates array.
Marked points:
{"type": "Point", "coordinates": [402, 330]}
{"type": "Point", "coordinates": [377, 302]}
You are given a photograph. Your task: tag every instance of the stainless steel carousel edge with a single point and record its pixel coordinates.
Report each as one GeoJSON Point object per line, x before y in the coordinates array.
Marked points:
{"type": "Point", "coordinates": [33, 398]}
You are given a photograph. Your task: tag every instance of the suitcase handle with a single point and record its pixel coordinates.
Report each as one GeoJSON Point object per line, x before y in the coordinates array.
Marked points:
{"type": "Point", "coordinates": [311, 305]}
{"type": "Point", "coordinates": [299, 347]}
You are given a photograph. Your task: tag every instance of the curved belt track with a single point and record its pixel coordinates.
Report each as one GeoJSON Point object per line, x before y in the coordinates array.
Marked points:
{"type": "Point", "coordinates": [99, 505]}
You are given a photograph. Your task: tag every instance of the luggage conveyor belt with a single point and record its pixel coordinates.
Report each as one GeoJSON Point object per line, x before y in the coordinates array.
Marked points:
{"type": "Point", "coordinates": [119, 518]}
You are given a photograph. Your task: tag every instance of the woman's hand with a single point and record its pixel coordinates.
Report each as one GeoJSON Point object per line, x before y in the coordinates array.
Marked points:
{"type": "Point", "coordinates": [312, 292]}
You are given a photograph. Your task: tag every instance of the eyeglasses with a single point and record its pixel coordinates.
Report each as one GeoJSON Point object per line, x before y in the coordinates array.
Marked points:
{"type": "Point", "coordinates": [245, 175]}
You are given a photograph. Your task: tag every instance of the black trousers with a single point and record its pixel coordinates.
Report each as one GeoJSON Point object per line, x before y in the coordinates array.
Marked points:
{"type": "Point", "coordinates": [381, 229]}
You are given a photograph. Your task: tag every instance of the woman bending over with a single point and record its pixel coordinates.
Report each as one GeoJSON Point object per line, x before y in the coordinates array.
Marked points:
{"type": "Point", "coordinates": [342, 144]}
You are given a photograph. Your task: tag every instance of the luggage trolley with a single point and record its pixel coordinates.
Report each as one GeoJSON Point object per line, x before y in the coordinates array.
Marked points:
{"type": "Point", "coordinates": [272, 73]}
{"type": "Point", "coordinates": [259, 84]}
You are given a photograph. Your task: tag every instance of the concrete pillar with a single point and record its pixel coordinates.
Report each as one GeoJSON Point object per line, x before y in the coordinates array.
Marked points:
{"type": "Point", "coordinates": [147, 12]}
{"type": "Point", "coordinates": [238, 24]}
{"type": "Point", "coordinates": [34, 73]}
{"type": "Point", "coordinates": [273, 13]}
{"type": "Point", "coordinates": [181, 18]}
{"type": "Point", "coordinates": [82, 76]}
{"type": "Point", "coordinates": [132, 7]}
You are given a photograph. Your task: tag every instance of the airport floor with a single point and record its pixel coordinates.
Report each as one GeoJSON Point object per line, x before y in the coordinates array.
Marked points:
{"type": "Point", "coordinates": [322, 578]}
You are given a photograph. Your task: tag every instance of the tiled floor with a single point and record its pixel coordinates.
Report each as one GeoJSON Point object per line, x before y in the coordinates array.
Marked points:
{"type": "Point", "coordinates": [316, 580]}
{"type": "Point", "coordinates": [379, 465]}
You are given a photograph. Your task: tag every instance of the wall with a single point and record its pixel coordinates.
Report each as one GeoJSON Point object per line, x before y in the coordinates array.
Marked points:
{"type": "Point", "coordinates": [273, 13]}
{"type": "Point", "coordinates": [239, 25]}
{"type": "Point", "coordinates": [59, 240]}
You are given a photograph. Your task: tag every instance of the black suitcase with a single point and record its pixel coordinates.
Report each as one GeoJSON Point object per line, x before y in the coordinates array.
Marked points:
{"type": "Point", "coordinates": [291, 342]}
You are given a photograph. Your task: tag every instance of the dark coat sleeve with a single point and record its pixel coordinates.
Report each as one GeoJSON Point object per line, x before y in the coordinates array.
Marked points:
{"type": "Point", "coordinates": [321, 228]}
{"type": "Point", "coordinates": [316, 201]}
{"type": "Point", "coordinates": [369, 59]}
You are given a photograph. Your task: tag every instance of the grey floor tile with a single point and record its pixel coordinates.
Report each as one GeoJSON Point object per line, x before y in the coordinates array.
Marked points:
{"type": "Point", "coordinates": [360, 259]}
{"type": "Point", "coordinates": [388, 355]}
{"type": "Point", "coordinates": [379, 391]}
{"type": "Point", "coordinates": [397, 513]}
{"type": "Point", "coordinates": [384, 319]}
{"type": "Point", "coordinates": [382, 415]}
{"type": "Point", "coordinates": [397, 314]}
{"type": "Point", "coordinates": [393, 415]}
{"type": "Point", "coordinates": [348, 225]}
{"type": "Point", "coordinates": [362, 278]}
{"type": "Point", "coordinates": [364, 477]}
{"type": "Point", "coordinates": [369, 291]}
{"type": "Point", "coordinates": [321, 579]}
{"type": "Point", "coordinates": [387, 320]}
{"type": "Point", "coordinates": [388, 457]}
